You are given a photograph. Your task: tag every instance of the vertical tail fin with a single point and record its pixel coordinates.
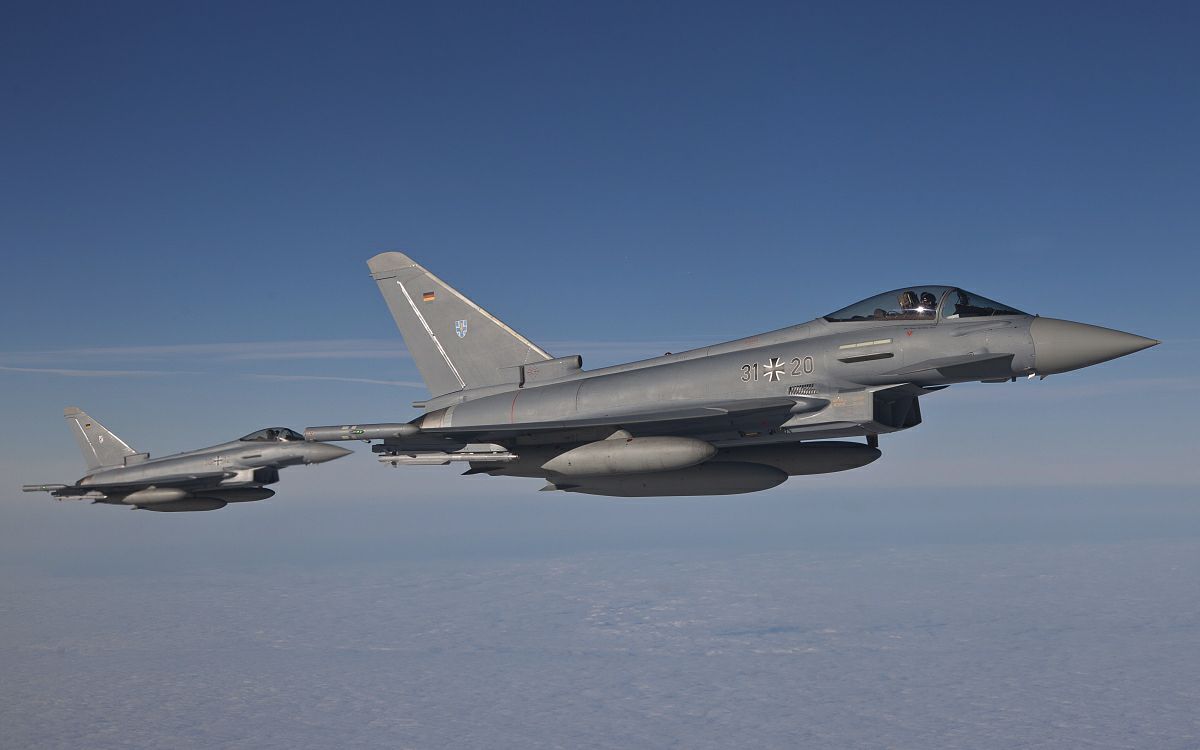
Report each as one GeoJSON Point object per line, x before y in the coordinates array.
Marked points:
{"type": "Point", "coordinates": [100, 447]}
{"type": "Point", "coordinates": [455, 343]}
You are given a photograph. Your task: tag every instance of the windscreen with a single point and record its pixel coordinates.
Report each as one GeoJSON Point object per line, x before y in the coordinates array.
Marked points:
{"type": "Point", "coordinates": [273, 435]}
{"type": "Point", "coordinates": [960, 303]}
{"type": "Point", "coordinates": [909, 303]}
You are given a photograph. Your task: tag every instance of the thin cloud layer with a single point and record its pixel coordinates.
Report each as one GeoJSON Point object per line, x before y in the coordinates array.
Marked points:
{"type": "Point", "coordinates": [228, 350]}
{"type": "Point", "coordinates": [75, 373]}
{"type": "Point", "coordinates": [336, 378]}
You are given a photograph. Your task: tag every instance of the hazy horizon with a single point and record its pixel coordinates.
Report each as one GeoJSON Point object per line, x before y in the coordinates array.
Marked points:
{"type": "Point", "coordinates": [192, 194]}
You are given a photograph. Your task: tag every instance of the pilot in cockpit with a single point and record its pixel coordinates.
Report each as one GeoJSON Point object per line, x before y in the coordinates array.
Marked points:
{"type": "Point", "coordinates": [273, 435]}
{"type": "Point", "coordinates": [908, 302]}
{"type": "Point", "coordinates": [928, 303]}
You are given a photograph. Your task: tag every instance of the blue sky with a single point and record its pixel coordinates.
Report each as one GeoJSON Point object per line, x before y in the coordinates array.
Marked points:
{"type": "Point", "coordinates": [189, 196]}
{"type": "Point", "coordinates": [192, 193]}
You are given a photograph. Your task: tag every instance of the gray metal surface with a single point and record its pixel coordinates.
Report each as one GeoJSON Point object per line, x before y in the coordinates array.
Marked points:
{"type": "Point", "coordinates": [1062, 346]}
{"type": "Point", "coordinates": [99, 446]}
{"type": "Point", "coordinates": [456, 344]}
{"type": "Point", "coordinates": [732, 417]}
{"type": "Point", "coordinates": [204, 479]}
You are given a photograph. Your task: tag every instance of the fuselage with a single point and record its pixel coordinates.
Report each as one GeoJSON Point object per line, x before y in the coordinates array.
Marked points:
{"type": "Point", "coordinates": [239, 459]}
{"type": "Point", "coordinates": [734, 417]}
{"type": "Point", "coordinates": [818, 358]}
{"type": "Point", "coordinates": [205, 479]}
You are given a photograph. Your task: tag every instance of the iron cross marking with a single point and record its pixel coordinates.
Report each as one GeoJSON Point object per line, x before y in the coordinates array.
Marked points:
{"type": "Point", "coordinates": [773, 369]}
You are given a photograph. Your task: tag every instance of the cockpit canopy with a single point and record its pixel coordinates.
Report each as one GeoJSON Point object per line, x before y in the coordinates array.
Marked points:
{"type": "Point", "coordinates": [921, 303]}
{"type": "Point", "coordinates": [273, 435]}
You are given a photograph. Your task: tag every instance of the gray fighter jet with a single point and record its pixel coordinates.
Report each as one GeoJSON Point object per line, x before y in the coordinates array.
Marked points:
{"type": "Point", "coordinates": [205, 479]}
{"type": "Point", "coordinates": [741, 416]}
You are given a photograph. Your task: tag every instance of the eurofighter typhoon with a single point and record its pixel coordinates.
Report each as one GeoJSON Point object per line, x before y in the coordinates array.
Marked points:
{"type": "Point", "coordinates": [736, 417]}
{"type": "Point", "coordinates": [204, 479]}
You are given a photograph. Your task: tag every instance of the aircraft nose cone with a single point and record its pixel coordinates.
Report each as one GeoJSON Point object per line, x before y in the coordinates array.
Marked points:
{"type": "Point", "coordinates": [1062, 346]}
{"type": "Point", "coordinates": [319, 453]}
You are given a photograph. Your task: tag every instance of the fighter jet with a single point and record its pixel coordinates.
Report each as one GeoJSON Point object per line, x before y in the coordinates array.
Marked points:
{"type": "Point", "coordinates": [204, 479]}
{"type": "Point", "coordinates": [734, 417]}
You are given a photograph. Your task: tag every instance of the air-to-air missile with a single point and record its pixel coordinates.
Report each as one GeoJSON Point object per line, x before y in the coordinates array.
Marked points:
{"type": "Point", "coordinates": [204, 479]}
{"type": "Point", "coordinates": [733, 417]}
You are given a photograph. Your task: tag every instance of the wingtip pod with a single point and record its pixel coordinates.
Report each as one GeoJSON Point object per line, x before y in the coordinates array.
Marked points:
{"type": "Point", "coordinates": [360, 432]}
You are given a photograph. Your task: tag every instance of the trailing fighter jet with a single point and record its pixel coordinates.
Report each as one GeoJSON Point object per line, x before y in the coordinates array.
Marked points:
{"type": "Point", "coordinates": [205, 479]}
{"type": "Point", "coordinates": [736, 417]}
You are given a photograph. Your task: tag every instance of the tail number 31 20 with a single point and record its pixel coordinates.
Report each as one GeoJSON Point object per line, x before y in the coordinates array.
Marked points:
{"type": "Point", "coordinates": [775, 369]}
